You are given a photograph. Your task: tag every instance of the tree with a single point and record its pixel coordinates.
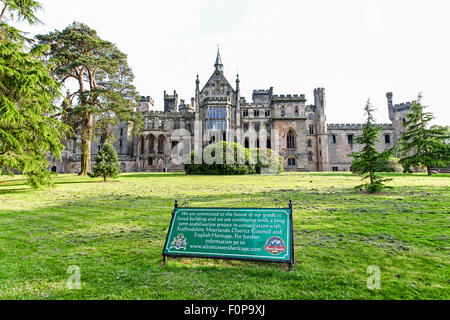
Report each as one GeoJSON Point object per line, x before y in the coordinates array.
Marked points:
{"type": "Point", "coordinates": [29, 128]}
{"type": "Point", "coordinates": [104, 91]}
{"type": "Point", "coordinates": [369, 161]}
{"type": "Point", "coordinates": [107, 163]}
{"type": "Point", "coordinates": [228, 158]}
{"type": "Point", "coordinates": [16, 10]}
{"type": "Point", "coordinates": [421, 146]}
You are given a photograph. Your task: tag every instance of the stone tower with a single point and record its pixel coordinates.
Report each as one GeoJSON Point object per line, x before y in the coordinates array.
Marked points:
{"type": "Point", "coordinates": [397, 114]}
{"type": "Point", "coordinates": [171, 102]}
{"type": "Point", "coordinates": [321, 128]}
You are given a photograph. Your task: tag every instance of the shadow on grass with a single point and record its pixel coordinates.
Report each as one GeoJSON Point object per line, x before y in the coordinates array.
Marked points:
{"type": "Point", "coordinates": [83, 182]}
{"type": "Point", "coordinates": [16, 191]}
{"type": "Point", "coordinates": [154, 175]}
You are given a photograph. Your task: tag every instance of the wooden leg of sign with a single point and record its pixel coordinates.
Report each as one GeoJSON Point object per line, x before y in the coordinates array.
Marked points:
{"type": "Point", "coordinates": [164, 260]}
{"type": "Point", "coordinates": [291, 267]}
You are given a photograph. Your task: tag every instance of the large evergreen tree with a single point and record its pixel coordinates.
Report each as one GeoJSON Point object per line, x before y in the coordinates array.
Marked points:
{"type": "Point", "coordinates": [104, 91]}
{"type": "Point", "coordinates": [29, 128]}
{"type": "Point", "coordinates": [369, 161]}
{"type": "Point", "coordinates": [421, 145]}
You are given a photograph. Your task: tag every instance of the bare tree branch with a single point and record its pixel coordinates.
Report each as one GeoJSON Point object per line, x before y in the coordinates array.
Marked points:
{"type": "Point", "coordinates": [3, 11]}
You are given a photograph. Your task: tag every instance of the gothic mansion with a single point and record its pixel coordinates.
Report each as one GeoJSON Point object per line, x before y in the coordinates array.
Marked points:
{"type": "Point", "coordinates": [298, 131]}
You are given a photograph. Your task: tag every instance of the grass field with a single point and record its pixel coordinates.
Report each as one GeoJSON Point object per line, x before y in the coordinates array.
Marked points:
{"type": "Point", "coordinates": [115, 233]}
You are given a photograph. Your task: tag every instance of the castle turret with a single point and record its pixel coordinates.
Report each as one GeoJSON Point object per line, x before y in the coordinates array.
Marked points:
{"type": "Point", "coordinates": [198, 130]}
{"type": "Point", "coordinates": [170, 102]}
{"type": "Point", "coordinates": [146, 104]}
{"type": "Point", "coordinates": [397, 114]}
{"type": "Point", "coordinates": [321, 128]}
{"type": "Point", "coordinates": [238, 103]}
{"type": "Point", "coordinates": [390, 97]}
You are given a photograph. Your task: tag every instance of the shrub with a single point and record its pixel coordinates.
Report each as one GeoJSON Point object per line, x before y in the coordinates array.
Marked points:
{"type": "Point", "coordinates": [226, 158]}
{"type": "Point", "coordinates": [266, 159]}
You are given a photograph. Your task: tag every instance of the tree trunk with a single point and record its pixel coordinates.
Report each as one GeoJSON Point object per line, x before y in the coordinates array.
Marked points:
{"type": "Point", "coordinates": [104, 178]}
{"type": "Point", "coordinates": [429, 171]}
{"type": "Point", "coordinates": [86, 137]}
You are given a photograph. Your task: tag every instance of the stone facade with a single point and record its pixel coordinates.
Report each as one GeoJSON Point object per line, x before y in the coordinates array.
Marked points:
{"type": "Point", "coordinates": [298, 131]}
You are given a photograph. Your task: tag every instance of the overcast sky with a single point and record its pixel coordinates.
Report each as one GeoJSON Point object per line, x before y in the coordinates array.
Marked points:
{"type": "Point", "coordinates": [356, 49]}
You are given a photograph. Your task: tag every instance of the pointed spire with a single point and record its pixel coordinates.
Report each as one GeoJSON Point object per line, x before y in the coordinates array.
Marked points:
{"type": "Point", "coordinates": [218, 65]}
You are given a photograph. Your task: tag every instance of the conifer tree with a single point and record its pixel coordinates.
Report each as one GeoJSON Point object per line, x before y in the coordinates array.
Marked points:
{"type": "Point", "coordinates": [29, 128]}
{"type": "Point", "coordinates": [421, 146]}
{"type": "Point", "coordinates": [107, 163]}
{"type": "Point", "coordinates": [369, 161]}
{"type": "Point", "coordinates": [104, 91]}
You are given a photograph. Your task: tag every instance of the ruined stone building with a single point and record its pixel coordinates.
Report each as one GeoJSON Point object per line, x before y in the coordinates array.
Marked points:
{"type": "Point", "coordinates": [288, 124]}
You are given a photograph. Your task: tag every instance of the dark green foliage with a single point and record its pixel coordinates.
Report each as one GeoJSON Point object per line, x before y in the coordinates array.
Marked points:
{"type": "Point", "coordinates": [29, 128]}
{"type": "Point", "coordinates": [240, 160]}
{"type": "Point", "coordinates": [105, 92]}
{"type": "Point", "coordinates": [369, 161]}
{"type": "Point", "coordinates": [421, 146]}
{"type": "Point", "coordinates": [107, 163]}
{"type": "Point", "coordinates": [392, 165]}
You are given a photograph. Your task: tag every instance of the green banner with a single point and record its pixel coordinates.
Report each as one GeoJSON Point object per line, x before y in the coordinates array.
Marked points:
{"type": "Point", "coordinates": [242, 234]}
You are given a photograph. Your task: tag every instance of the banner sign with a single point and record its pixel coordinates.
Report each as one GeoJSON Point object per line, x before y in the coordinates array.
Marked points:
{"type": "Point", "coordinates": [228, 233]}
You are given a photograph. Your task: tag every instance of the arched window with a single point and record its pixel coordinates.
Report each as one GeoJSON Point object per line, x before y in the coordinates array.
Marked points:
{"type": "Point", "coordinates": [291, 139]}
{"type": "Point", "coordinates": [292, 162]}
{"type": "Point", "coordinates": [310, 117]}
{"type": "Point", "coordinates": [309, 144]}
{"type": "Point", "coordinates": [310, 157]}
{"type": "Point", "coordinates": [283, 111]}
{"type": "Point", "coordinates": [151, 144]}
{"type": "Point", "coordinates": [141, 145]}
{"type": "Point", "coordinates": [161, 144]}
{"type": "Point", "coordinates": [296, 110]}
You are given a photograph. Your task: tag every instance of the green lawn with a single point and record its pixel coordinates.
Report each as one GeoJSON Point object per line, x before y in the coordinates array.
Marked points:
{"type": "Point", "coordinates": [115, 233]}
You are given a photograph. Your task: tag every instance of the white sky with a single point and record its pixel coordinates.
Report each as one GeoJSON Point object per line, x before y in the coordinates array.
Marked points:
{"type": "Point", "coordinates": [356, 49]}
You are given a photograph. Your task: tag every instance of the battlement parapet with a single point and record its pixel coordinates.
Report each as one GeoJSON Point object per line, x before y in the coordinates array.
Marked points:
{"type": "Point", "coordinates": [402, 107]}
{"type": "Point", "coordinates": [146, 99]}
{"type": "Point", "coordinates": [158, 113]}
{"type": "Point", "coordinates": [217, 99]}
{"type": "Point", "coordinates": [289, 97]}
{"type": "Point", "coordinates": [319, 91]}
{"type": "Point", "coordinates": [356, 126]}
{"type": "Point", "coordinates": [261, 92]}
